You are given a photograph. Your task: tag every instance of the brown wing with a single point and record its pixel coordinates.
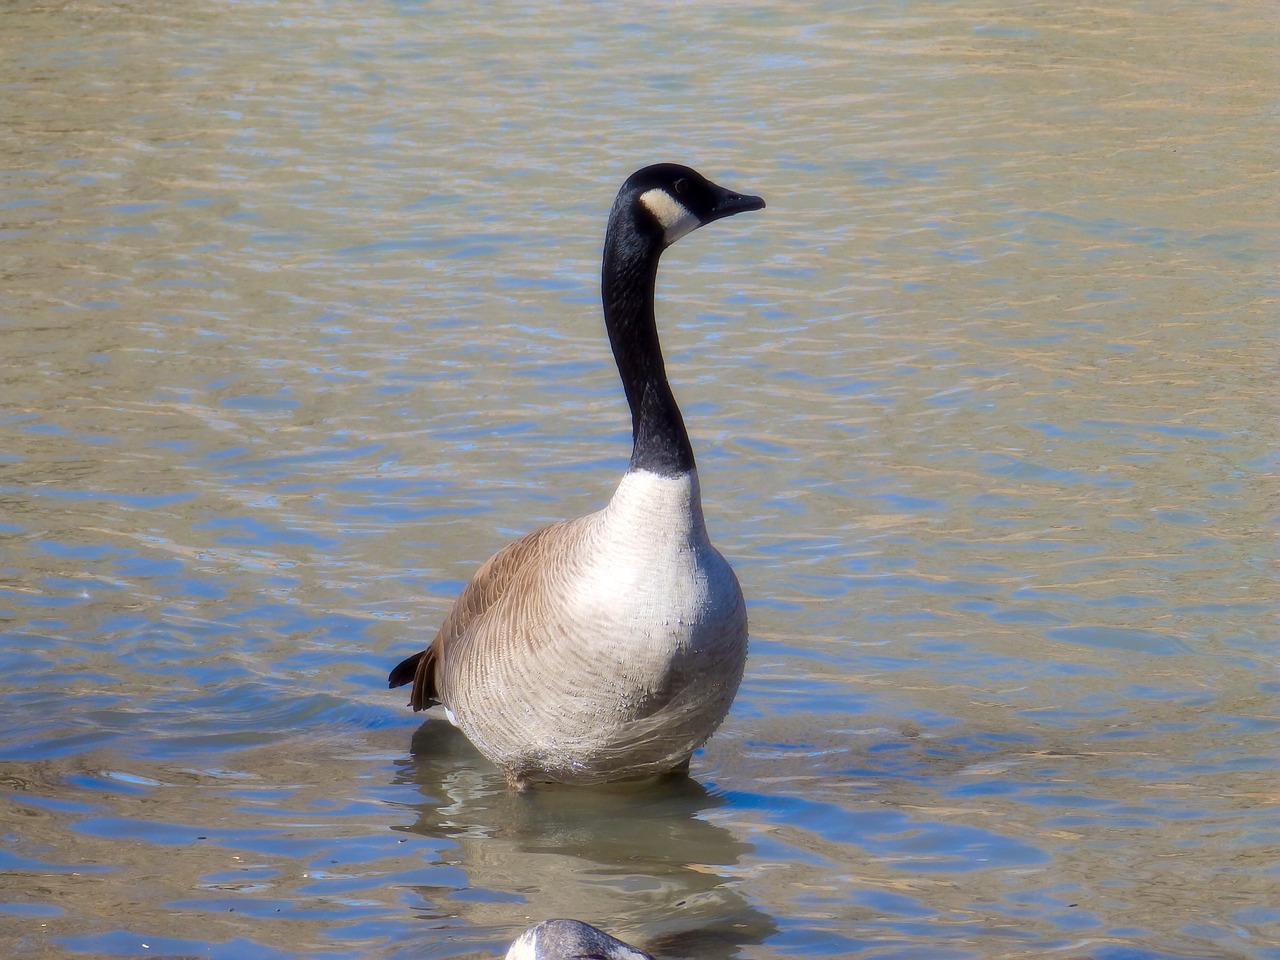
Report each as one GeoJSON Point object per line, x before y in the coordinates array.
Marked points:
{"type": "Point", "coordinates": [483, 590]}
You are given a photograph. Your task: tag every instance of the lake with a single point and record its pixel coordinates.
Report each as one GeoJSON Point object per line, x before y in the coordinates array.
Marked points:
{"type": "Point", "coordinates": [301, 322]}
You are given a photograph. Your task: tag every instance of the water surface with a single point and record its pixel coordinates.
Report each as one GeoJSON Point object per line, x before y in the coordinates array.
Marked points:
{"type": "Point", "coordinates": [300, 323]}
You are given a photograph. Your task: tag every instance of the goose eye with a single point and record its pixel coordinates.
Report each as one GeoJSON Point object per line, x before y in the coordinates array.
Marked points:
{"type": "Point", "coordinates": [681, 185]}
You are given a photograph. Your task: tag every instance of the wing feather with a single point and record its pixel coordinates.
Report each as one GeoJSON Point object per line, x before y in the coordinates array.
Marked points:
{"type": "Point", "coordinates": [514, 564]}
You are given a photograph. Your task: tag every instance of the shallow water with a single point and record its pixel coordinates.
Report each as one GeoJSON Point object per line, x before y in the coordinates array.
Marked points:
{"type": "Point", "coordinates": [300, 323]}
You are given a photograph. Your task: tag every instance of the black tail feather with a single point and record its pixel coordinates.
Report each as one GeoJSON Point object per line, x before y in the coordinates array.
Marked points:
{"type": "Point", "coordinates": [405, 670]}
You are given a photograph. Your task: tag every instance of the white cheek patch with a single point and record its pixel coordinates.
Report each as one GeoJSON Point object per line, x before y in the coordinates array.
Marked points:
{"type": "Point", "coordinates": [674, 217]}
{"type": "Point", "coordinates": [525, 947]}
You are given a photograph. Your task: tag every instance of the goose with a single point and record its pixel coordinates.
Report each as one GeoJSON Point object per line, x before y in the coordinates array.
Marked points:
{"type": "Point", "coordinates": [610, 646]}
{"type": "Point", "coordinates": [570, 940]}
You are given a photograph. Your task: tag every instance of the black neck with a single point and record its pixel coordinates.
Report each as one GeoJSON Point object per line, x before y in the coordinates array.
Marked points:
{"type": "Point", "coordinates": [660, 443]}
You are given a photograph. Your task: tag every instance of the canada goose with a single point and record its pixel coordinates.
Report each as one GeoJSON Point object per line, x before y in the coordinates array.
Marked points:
{"type": "Point", "coordinates": [610, 646]}
{"type": "Point", "coordinates": [570, 940]}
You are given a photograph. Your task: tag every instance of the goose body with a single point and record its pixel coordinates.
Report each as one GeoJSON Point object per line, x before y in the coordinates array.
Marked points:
{"type": "Point", "coordinates": [570, 940]}
{"type": "Point", "coordinates": [609, 646]}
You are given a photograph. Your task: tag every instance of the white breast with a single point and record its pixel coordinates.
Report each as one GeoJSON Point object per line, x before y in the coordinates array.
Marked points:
{"type": "Point", "coordinates": [651, 557]}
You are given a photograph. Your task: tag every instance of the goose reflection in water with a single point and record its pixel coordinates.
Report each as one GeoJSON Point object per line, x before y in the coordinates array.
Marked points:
{"type": "Point", "coordinates": [640, 858]}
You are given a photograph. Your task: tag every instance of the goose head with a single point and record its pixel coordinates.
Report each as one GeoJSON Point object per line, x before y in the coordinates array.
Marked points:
{"type": "Point", "coordinates": [667, 201]}
{"type": "Point", "coordinates": [656, 206]}
{"type": "Point", "coordinates": [570, 940]}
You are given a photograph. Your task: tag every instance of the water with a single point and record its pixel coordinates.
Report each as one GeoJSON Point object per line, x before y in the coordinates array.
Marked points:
{"type": "Point", "coordinates": [300, 323]}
